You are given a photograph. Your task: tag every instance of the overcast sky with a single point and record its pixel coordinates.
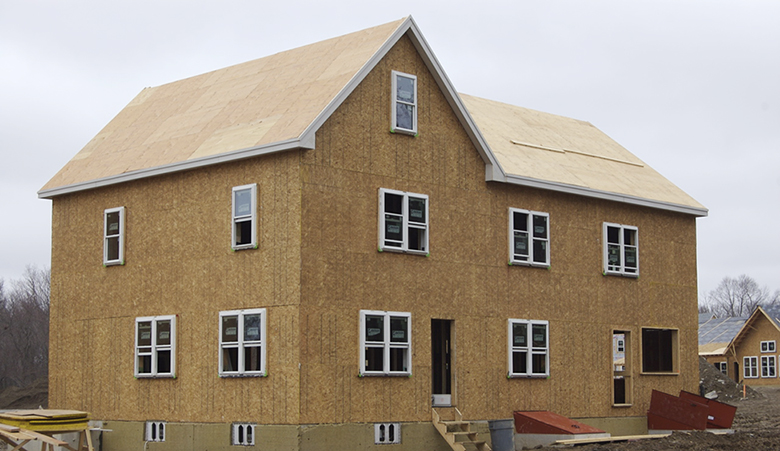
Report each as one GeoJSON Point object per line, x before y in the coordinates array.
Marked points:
{"type": "Point", "coordinates": [690, 87]}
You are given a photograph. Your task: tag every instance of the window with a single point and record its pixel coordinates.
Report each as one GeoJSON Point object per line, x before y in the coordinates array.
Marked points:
{"type": "Point", "coordinates": [242, 343]}
{"type": "Point", "coordinates": [723, 367]}
{"type": "Point", "coordinates": [404, 104]}
{"type": "Point", "coordinates": [385, 343]}
{"type": "Point", "coordinates": [114, 236]}
{"type": "Point", "coordinates": [243, 434]}
{"type": "Point", "coordinates": [403, 222]}
{"type": "Point", "coordinates": [768, 366]}
{"type": "Point", "coordinates": [621, 250]}
{"type": "Point", "coordinates": [528, 348]}
{"type": "Point", "coordinates": [659, 351]}
{"type": "Point", "coordinates": [155, 431]}
{"type": "Point", "coordinates": [244, 217]}
{"type": "Point", "coordinates": [387, 433]}
{"type": "Point", "coordinates": [155, 346]}
{"type": "Point", "coordinates": [529, 238]}
{"type": "Point", "coordinates": [750, 367]}
{"type": "Point", "coordinates": [768, 346]}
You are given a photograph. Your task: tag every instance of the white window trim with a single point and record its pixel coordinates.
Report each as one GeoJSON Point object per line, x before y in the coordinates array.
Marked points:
{"type": "Point", "coordinates": [622, 269]}
{"type": "Point", "coordinates": [252, 217]}
{"type": "Point", "coordinates": [121, 234]}
{"type": "Point", "coordinates": [386, 345]}
{"type": "Point", "coordinates": [394, 102]}
{"type": "Point", "coordinates": [529, 349]}
{"type": "Point", "coordinates": [768, 362]}
{"type": "Point", "coordinates": [529, 227]}
{"type": "Point", "coordinates": [248, 439]}
{"type": "Point", "coordinates": [404, 245]}
{"type": "Point", "coordinates": [156, 348]}
{"type": "Point", "coordinates": [722, 367]}
{"type": "Point", "coordinates": [768, 346]}
{"type": "Point", "coordinates": [241, 344]}
{"type": "Point", "coordinates": [750, 363]}
{"type": "Point", "coordinates": [155, 431]}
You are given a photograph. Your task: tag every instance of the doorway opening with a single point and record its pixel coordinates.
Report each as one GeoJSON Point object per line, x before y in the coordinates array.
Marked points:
{"type": "Point", "coordinates": [441, 362]}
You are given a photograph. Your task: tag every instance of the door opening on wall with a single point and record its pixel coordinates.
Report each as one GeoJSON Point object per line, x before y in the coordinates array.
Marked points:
{"type": "Point", "coordinates": [621, 367]}
{"type": "Point", "coordinates": [442, 362]}
{"type": "Point", "coordinates": [737, 376]}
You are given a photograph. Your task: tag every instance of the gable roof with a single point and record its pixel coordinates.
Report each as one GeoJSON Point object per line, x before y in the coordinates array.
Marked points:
{"type": "Point", "coordinates": [715, 334]}
{"type": "Point", "coordinates": [278, 103]}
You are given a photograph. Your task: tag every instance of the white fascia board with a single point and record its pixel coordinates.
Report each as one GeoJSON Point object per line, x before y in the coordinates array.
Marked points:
{"type": "Point", "coordinates": [179, 166]}
{"type": "Point", "coordinates": [606, 195]}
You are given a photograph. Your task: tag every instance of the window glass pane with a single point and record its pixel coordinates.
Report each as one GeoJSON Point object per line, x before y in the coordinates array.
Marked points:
{"type": "Point", "coordinates": [144, 364]}
{"type": "Point", "coordinates": [112, 223]}
{"type": "Point", "coordinates": [164, 361]}
{"type": "Point", "coordinates": [613, 235]}
{"type": "Point", "coordinates": [374, 359]}
{"type": "Point", "coordinates": [375, 328]}
{"type": "Point", "coordinates": [243, 202]}
{"type": "Point", "coordinates": [630, 257]}
{"type": "Point", "coordinates": [521, 245]}
{"type": "Point", "coordinates": [243, 232]}
{"type": "Point", "coordinates": [519, 334]}
{"type": "Point", "coordinates": [539, 363]}
{"type": "Point", "coordinates": [417, 210]}
{"type": "Point", "coordinates": [519, 362]}
{"type": "Point", "coordinates": [394, 203]}
{"type": "Point", "coordinates": [230, 329]}
{"type": "Point", "coordinates": [540, 226]}
{"type": "Point", "coordinates": [540, 251]}
{"type": "Point", "coordinates": [230, 359]}
{"type": "Point", "coordinates": [112, 248]}
{"type": "Point", "coordinates": [405, 89]}
{"type": "Point", "coordinates": [252, 357]}
{"type": "Point", "coordinates": [399, 325]}
{"type": "Point", "coordinates": [145, 333]}
{"type": "Point", "coordinates": [403, 116]}
{"type": "Point", "coordinates": [252, 325]}
{"type": "Point", "coordinates": [163, 333]}
{"type": "Point", "coordinates": [539, 335]}
{"type": "Point", "coordinates": [416, 239]}
{"type": "Point", "coordinates": [629, 237]}
{"type": "Point", "coordinates": [394, 228]}
{"type": "Point", "coordinates": [520, 221]}
{"type": "Point", "coordinates": [613, 255]}
{"type": "Point", "coordinates": [398, 359]}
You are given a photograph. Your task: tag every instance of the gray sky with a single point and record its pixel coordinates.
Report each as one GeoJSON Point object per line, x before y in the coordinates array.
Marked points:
{"type": "Point", "coordinates": [690, 87]}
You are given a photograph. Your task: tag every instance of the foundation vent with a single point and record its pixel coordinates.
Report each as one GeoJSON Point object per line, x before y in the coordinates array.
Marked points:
{"type": "Point", "coordinates": [387, 433]}
{"type": "Point", "coordinates": [243, 434]}
{"type": "Point", "coordinates": [155, 431]}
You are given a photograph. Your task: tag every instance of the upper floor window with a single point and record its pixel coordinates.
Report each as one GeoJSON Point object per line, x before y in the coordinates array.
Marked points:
{"type": "Point", "coordinates": [529, 237]}
{"type": "Point", "coordinates": [768, 346]}
{"type": "Point", "coordinates": [529, 348]}
{"type": "Point", "coordinates": [155, 346]}
{"type": "Point", "coordinates": [621, 250]}
{"type": "Point", "coordinates": [114, 236]}
{"type": "Point", "coordinates": [403, 221]}
{"type": "Point", "coordinates": [242, 342]}
{"type": "Point", "coordinates": [404, 104]}
{"type": "Point", "coordinates": [385, 343]}
{"type": "Point", "coordinates": [245, 217]}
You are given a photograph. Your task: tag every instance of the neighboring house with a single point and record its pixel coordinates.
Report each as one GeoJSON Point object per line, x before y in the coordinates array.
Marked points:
{"type": "Point", "coordinates": [755, 348]}
{"type": "Point", "coordinates": [311, 249]}
{"type": "Point", "coordinates": [715, 335]}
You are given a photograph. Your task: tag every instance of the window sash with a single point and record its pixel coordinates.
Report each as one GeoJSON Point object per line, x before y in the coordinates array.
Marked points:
{"type": "Point", "coordinates": [526, 351]}
{"type": "Point", "coordinates": [244, 217]}
{"type": "Point", "coordinates": [390, 353]}
{"type": "Point", "coordinates": [245, 355]}
{"type": "Point", "coordinates": [404, 227]}
{"type": "Point", "coordinates": [768, 346]}
{"type": "Point", "coordinates": [403, 107]}
{"type": "Point", "coordinates": [750, 367]}
{"type": "Point", "coordinates": [529, 237]}
{"type": "Point", "coordinates": [155, 353]}
{"type": "Point", "coordinates": [621, 249]}
{"type": "Point", "coordinates": [768, 366]}
{"type": "Point", "coordinates": [114, 236]}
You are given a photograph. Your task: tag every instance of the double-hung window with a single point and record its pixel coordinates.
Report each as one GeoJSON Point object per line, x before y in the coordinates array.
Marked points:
{"type": "Point", "coordinates": [403, 222]}
{"type": "Point", "coordinates": [529, 238]}
{"type": "Point", "coordinates": [242, 343]}
{"type": "Point", "coordinates": [385, 343]}
{"type": "Point", "coordinates": [244, 234]}
{"type": "Point", "coordinates": [750, 367]}
{"type": "Point", "coordinates": [768, 346]}
{"type": "Point", "coordinates": [529, 348]}
{"type": "Point", "coordinates": [621, 250]}
{"type": "Point", "coordinates": [114, 236]}
{"type": "Point", "coordinates": [404, 103]}
{"type": "Point", "coordinates": [155, 346]}
{"type": "Point", "coordinates": [768, 366]}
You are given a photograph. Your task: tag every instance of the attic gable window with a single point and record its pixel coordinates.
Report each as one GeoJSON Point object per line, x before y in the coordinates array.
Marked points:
{"type": "Point", "coordinates": [529, 348]}
{"type": "Point", "coordinates": [529, 238]}
{"type": "Point", "coordinates": [403, 222]}
{"type": "Point", "coordinates": [155, 346]}
{"type": "Point", "coordinates": [114, 236]}
{"type": "Point", "coordinates": [404, 103]}
{"type": "Point", "coordinates": [244, 234]}
{"type": "Point", "coordinates": [621, 250]}
{"type": "Point", "coordinates": [242, 343]}
{"type": "Point", "coordinates": [385, 343]}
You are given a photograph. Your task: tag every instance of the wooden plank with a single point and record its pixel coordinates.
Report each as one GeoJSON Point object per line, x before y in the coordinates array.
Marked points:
{"type": "Point", "coordinates": [583, 441]}
{"type": "Point", "coordinates": [8, 427]}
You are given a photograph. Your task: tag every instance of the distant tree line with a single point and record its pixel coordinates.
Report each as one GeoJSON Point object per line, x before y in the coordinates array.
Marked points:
{"type": "Point", "coordinates": [24, 328]}
{"type": "Point", "coordinates": [738, 297]}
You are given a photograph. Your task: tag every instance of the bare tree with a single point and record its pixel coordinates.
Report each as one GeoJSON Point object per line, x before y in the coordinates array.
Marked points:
{"type": "Point", "coordinates": [738, 297]}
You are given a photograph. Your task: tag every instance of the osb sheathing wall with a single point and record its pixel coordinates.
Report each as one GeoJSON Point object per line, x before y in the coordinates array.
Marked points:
{"type": "Point", "coordinates": [178, 260]}
{"type": "Point", "coordinates": [750, 346]}
{"type": "Point", "coordinates": [466, 277]}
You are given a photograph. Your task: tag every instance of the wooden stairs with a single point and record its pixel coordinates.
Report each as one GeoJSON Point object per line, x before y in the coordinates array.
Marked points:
{"type": "Point", "coordinates": [456, 431]}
